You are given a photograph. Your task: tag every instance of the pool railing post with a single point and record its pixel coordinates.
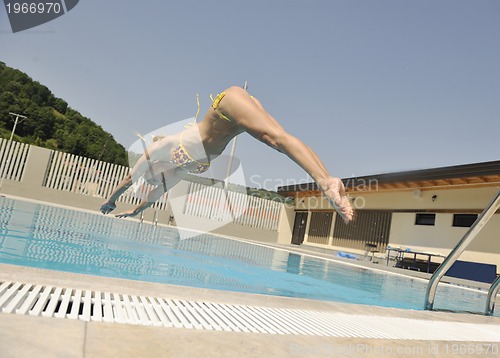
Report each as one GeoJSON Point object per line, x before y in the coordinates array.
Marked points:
{"type": "Point", "coordinates": [492, 294]}
{"type": "Point", "coordinates": [469, 236]}
{"type": "Point", "coordinates": [157, 209]}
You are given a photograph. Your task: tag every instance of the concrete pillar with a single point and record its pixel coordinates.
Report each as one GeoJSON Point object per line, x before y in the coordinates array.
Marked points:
{"type": "Point", "coordinates": [36, 166]}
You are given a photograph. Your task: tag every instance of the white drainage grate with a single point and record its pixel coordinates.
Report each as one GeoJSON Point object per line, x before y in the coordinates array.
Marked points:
{"type": "Point", "coordinates": [48, 301]}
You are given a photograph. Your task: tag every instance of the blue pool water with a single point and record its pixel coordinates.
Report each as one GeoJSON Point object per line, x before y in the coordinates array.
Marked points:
{"type": "Point", "coordinates": [66, 240]}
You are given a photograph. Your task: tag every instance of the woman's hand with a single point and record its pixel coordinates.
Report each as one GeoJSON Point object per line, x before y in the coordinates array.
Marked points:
{"type": "Point", "coordinates": [107, 207]}
{"type": "Point", "coordinates": [126, 214]}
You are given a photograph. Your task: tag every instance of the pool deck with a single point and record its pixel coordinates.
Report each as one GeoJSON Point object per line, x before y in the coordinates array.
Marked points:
{"type": "Point", "coordinates": [24, 335]}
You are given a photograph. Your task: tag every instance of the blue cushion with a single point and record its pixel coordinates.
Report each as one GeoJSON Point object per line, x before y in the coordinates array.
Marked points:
{"type": "Point", "coordinates": [474, 271]}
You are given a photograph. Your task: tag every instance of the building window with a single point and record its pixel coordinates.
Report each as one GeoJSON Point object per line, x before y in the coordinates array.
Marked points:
{"type": "Point", "coordinates": [425, 219]}
{"type": "Point", "coordinates": [464, 220]}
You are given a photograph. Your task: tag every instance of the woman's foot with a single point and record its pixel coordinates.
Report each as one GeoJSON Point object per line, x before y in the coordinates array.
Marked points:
{"type": "Point", "coordinates": [334, 190]}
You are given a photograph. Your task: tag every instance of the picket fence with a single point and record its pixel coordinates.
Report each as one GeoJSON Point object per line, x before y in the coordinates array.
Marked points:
{"type": "Point", "coordinates": [86, 176]}
{"type": "Point", "coordinates": [13, 157]}
{"type": "Point", "coordinates": [217, 204]}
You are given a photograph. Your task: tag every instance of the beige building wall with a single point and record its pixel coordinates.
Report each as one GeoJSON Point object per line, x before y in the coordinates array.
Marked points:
{"type": "Point", "coordinates": [286, 225]}
{"type": "Point", "coordinates": [440, 238]}
{"type": "Point", "coordinates": [443, 237]}
{"type": "Point", "coordinates": [463, 198]}
{"type": "Point", "coordinates": [472, 198]}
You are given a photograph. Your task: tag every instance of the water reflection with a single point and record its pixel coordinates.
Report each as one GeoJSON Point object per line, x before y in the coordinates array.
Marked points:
{"type": "Point", "coordinates": [67, 240]}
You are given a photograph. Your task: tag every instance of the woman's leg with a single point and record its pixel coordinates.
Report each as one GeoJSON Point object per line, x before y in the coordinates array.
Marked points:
{"type": "Point", "coordinates": [311, 152]}
{"type": "Point", "coordinates": [251, 116]}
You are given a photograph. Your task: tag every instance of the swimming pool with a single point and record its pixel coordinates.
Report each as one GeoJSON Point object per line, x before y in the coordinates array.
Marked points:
{"type": "Point", "coordinates": [74, 241]}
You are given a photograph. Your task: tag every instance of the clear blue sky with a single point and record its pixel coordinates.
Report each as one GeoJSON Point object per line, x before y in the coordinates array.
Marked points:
{"type": "Point", "coordinates": [373, 86]}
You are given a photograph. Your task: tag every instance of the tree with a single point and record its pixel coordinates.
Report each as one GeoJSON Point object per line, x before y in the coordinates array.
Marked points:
{"type": "Point", "coordinates": [51, 121]}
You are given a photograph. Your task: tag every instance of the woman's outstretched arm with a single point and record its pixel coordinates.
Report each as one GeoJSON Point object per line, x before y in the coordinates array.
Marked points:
{"type": "Point", "coordinates": [152, 197]}
{"type": "Point", "coordinates": [157, 151]}
{"type": "Point", "coordinates": [169, 180]}
{"type": "Point", "coordinates": [110, 204]}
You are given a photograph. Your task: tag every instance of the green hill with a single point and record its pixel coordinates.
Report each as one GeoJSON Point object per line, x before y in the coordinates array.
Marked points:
{"type": "Point", "coordinates": [51, 123]}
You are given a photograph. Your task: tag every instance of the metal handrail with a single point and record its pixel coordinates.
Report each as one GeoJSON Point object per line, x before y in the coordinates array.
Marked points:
{"type": "Point", "coordinates": [157, 212]}
{"type": "Point", "coordinates": [492, 294]}
{"type": "Point", "coordinates": [469, 236]}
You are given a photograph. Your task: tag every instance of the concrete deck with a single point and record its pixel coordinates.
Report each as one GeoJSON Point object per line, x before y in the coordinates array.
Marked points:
{"type": "Point", "coordinates": [23, 336]}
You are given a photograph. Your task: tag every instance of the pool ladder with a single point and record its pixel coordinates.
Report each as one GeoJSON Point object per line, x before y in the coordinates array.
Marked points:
{"type": "Point", "coordinates": [469, 236]}
{"type": "Point", "coordinates": [155, 217]}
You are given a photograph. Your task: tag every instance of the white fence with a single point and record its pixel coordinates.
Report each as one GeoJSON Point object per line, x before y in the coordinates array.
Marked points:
{"type": "Point", "coordinates": [12, 159]}
{"type": "Point", "coordinates": [85, 176]}
{"type": "Point", "coordinates": [92, 177]}
{"type": "Point", "coordinates": [212, 203]}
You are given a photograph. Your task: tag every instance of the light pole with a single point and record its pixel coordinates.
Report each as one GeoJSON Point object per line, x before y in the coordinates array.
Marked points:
{"type": "Point", "coordinates": [10, 142]}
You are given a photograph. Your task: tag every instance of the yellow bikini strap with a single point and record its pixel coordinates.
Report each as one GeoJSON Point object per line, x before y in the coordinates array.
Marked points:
{"type": "Point", "coordinates": [197, 113]}
{"type": "Point", "coordinates": [198, 103]}
{"type": "Point", "coordinates": [215, 105]}
{"type": "Point", "coordinates": [217, 99]}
